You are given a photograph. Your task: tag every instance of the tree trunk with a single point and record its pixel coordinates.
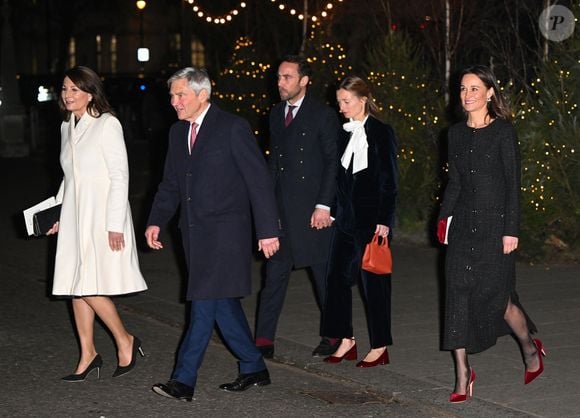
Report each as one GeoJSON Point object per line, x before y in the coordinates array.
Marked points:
{"type": "Point", "coordinates": [447, 49]}
{"type": "Point", "coordinates": [304, 27]}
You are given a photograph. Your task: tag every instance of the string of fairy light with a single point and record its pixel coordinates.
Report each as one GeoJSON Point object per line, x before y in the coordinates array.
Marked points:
{"type": "Point", "coordinates": [240, 69]}
{"type": "Point", "coordinates": [537, 166]}
{"type": "Point", "coordinates": [224, 18]}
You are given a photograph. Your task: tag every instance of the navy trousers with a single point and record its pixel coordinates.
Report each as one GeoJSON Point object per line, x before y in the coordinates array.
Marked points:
{"type": "Point", "coordinates": [274, 292]}
{"type": "Point", "coordinates": [233, 325]}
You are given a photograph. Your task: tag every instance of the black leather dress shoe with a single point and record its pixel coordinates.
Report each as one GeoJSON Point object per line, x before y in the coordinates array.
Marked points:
{"type": "Point", "coordinates": [325, 348]}
{"type": "Point", "coordinates": [174, 389]}
{"type": "Point", "coordinates": [266, 350]}
{"type": "Point", "coordinates": [244, 381]}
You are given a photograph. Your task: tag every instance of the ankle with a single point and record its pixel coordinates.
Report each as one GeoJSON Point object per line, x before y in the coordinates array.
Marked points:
{"type": "Point", "coordinates": [375, 353]}
{"type": "Point", "coordinates": [345, 345]}
{"type": "Point", "coordinates": [347, 342]}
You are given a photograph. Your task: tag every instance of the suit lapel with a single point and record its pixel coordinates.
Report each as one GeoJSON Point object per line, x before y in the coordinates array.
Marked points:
{"type": "Point", "coordinates": [301, 114]}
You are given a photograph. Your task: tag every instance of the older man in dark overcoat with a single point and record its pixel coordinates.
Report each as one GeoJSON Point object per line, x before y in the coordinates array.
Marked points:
{"type": "Point", "coordinates": [216, 174]}
{"type": "Point", "coordinates": [303, 163]}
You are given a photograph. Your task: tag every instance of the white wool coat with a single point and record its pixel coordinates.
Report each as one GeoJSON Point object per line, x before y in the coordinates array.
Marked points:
{"type": "Point", "coordinates": [94, 197]}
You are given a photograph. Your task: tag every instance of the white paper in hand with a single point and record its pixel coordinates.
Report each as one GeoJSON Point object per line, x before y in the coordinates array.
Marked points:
{"type": "Point", "coordinates": [449, 218]}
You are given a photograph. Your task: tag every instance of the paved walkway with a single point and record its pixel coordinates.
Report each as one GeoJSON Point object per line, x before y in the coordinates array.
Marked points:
{"type": "Point", "coordinates": [37, 342]}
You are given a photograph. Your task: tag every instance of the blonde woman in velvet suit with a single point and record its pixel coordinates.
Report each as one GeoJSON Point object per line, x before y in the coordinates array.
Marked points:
{"type": "Point", "coordinates": [365, 205]}
{"type": "Point", "coordinates": [96, 254]}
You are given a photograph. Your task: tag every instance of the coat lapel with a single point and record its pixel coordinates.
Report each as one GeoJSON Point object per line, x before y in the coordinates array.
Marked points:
{"type": "Point", "coordinates": [205, 130]}
{"type": "Point", "coordinates": [78, 131]}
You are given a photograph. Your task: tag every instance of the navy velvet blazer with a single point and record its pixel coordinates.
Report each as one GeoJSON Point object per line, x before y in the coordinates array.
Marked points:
{"type": "Point", "coordinates": [368, 197]}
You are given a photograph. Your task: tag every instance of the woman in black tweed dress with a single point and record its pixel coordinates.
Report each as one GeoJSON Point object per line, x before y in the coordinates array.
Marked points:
{"type": "Point", "coordinates": [482, 198]}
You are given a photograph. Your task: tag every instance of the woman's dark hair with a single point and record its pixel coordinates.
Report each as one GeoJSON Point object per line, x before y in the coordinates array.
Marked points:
{"type": "Point", "coordinates": [360, 88]}
{"type": "Point", "coordinates": [497, 107]}
{"type": "Point", "coordinates": [89, 82]}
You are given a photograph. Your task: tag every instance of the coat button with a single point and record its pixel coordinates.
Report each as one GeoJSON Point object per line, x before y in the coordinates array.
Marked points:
{"type": "Point", "coordinates": [472, 171]}
{"type": "Point", "coordinates": [189, 199]}
{"type": "Point", "coordinates": [473, 229]}
{"type": "Point", "coordinates": [468, 268]}
{"type": "Point", "coordinates": [474, 190]}
{"type": "Point", "coordinates": [472, 249]}
{"type": "Point", "coordinates": [281, 168]}
{"type": "Point", "coordinates": [188, 174]}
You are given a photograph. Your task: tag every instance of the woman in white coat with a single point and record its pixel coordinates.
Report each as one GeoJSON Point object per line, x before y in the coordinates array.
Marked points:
{"type": "Point", "coordinates": [96, 255]}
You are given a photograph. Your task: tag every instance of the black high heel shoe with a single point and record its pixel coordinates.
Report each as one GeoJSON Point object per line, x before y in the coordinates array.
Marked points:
{"type": "Point", "coordinates": [97, 363]}
{"type": "Point", "coordinates": [121, 370]}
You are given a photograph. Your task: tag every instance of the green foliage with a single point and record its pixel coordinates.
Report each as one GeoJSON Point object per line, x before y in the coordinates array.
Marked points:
{"type": "Point", "coordinates": [547, 120]}
{"type": "Point", "coordinates": [326, 58]}
{"type": "Point", "coordinates": [548, 126]}
{"type": "Point", "coordinates": [411, 103]}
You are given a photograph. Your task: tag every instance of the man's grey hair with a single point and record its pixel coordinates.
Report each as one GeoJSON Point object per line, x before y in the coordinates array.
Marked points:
{"type": "Point", "coordinates": [197, 79]}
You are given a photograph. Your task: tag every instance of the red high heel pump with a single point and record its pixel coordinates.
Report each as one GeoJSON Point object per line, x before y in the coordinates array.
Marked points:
{"type": "Point", "coordinates": [383, 359]}
{"type": "Point", "coordinates": [462, 397]}
{"type": "Point", "coordinates": [530, 376]}
{"type": "Point", "coordinates": [349, 355]}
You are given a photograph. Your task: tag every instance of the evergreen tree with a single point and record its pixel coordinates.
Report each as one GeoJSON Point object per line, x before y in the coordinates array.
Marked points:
{"type": "Point", "coordinates": [548, 124]}
{"type": "Point", "coordinates": [410, 102]}
{"type": "Point", "coordinates": [242, 87]}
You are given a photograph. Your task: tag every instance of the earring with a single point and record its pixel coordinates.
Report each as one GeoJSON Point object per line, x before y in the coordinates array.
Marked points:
{"type": "Point", "coordinates": [489, 99]}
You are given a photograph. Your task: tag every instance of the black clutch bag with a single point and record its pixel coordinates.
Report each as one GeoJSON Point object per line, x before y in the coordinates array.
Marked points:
{"type": "Point", "coordinates": [45, 219]}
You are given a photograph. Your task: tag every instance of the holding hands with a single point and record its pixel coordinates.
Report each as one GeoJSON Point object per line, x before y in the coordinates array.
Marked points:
{"type": "Point", "coordinates": [320, 218]}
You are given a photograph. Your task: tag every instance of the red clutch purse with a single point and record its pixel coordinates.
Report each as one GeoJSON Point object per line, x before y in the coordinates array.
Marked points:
{"type": "Point", "coordinates": [377, 257]}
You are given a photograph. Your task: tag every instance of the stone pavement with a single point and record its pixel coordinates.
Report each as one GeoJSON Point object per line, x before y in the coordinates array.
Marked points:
{"type": "Point", "coordinates": [38, 346]}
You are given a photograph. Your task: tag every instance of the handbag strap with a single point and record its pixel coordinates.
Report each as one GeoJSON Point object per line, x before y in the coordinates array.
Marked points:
{"type": "Point", "coordinates": [384, 241]}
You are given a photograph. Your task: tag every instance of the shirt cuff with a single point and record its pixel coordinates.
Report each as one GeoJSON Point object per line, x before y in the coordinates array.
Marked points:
{"type": "Point", "coordinates": [319, 206]}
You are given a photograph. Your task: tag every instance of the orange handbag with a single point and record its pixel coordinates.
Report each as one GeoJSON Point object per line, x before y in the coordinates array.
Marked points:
{"type": "Point", "coordinates": [377, 257]}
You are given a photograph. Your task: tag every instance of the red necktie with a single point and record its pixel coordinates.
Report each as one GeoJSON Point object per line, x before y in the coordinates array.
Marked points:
{"type": "Point", "coordinates": [289, 115]}
{"type": "Point", "coordinates": [192, 136]}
